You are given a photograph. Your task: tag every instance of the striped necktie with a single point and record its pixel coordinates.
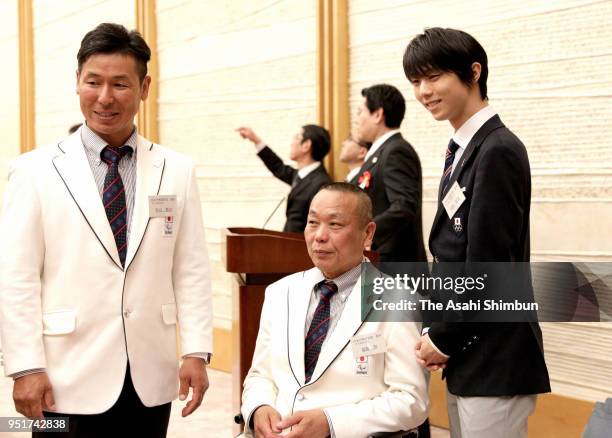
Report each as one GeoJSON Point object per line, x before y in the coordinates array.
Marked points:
{"type": "Point", "coordinates": [448, 163]}
{"type": "Point", "coordinates": [318, 327]}
{"type": "Point", "coordinates": [113, 197]}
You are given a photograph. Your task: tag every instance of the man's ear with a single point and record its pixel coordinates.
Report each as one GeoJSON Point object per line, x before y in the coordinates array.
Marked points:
{"type": "Point", "coordinates": [370, 230]}
{"type": "Point", "coordinates": [306, 146]}
{"type": "Point", "coordinates": [78, 76]}
{"type": "Point", "coordinates": [379, 115]}
{"type": "Point", "coordinates": [476, 69]}
{"type": "Point", "coordinates": [146, 83]}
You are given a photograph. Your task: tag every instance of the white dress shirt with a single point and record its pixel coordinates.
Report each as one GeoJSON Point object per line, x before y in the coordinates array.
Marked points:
{"type": "Point", "coordinates": [464, 134]}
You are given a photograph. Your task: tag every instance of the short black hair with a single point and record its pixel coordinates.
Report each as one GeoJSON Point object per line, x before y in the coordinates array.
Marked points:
{"type": "Point", "coordinates": [364, 203]}
{"type": "Point", "coordinates": [446, 50]}
{"type": "Point", "coordinates": [388, 98]}
{"type": "Point", "coordinates": [114, 38]}
{"type": "Point", "coordinates": [319, 138]}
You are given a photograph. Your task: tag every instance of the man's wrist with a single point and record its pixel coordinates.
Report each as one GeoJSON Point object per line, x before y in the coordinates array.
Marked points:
{"type": "Point", "coordinates": [259, 145]}
{"type": "Point", "coordinates": [24, 373]}
{"type": "Point", "coordinates": [206, 357]}
{"type": "Point", "coordinates": [251, 419]}
{"type": "Point", "coordinates": [436, 348]}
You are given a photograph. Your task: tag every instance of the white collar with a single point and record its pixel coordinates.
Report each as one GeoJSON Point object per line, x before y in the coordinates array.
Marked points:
{"type": "Point", "coordinates": [352, 173]}
{"type": "Point", "coordinates": [304, 171]}
{"type": "Point", "coordinates": [379, 142]}
{"type": "Point", "coordinates": [464, 134]}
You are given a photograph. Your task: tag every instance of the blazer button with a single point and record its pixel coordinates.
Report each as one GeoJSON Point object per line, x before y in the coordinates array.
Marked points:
{"type": "Point", "coordinates": [127, 313]}
{"type": "Point", "coordinates": [300, 397]}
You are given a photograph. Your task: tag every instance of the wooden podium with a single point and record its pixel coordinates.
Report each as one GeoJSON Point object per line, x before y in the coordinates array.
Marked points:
{"type": "Point", "coordinates": [257, 258]}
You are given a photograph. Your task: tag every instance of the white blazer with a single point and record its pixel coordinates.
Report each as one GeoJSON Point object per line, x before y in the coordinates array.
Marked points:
{"type": "Point", "coordinates": [67, 305]}
{"type": "Point", "coordinates": [393, 396]}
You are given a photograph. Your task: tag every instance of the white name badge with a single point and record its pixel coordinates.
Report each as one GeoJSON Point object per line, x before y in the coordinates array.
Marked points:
{"type": "Point", "coordinates": [162, 206]}
{"type": "Point", "coordinates": [368, 344]}
{"type": "Point", "coordinates": [453, 199]}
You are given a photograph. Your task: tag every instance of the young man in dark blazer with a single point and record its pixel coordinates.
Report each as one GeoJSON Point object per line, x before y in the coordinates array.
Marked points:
{"type": "Point", "coordinates": [391, 176]}
{"type": "Point", "coordinates": [308, 148]}
{"type": "Point", "coordinates": [493, 370]}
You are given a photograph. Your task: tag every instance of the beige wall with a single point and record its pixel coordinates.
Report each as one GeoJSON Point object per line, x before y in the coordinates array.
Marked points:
{"type": "Point", "coordinates": [550, 80]}
{"type": "Point", "coordinates": [9, 78]}
{"type": "Point", "coordinates": [223, 65]}
{"type": "Point", "coordinates": [59, 27]}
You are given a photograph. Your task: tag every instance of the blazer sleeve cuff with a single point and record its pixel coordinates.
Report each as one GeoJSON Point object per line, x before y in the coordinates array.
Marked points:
{"type": "Point", "coordinates": [439, 342]}
{"type": "Point", "coordinates": [19, 374]}
{"type": "Point", "coordinates": [437, 349]}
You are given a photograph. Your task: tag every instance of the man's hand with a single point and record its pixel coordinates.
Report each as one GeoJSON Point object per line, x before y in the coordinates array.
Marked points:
{"type": "Point", "coordinates": [32, 393]}
{"type": "Point", "coordinates": [427, 356]}
{"type": "Point", "coordinates": [192, 374]}
{"type": "Point", "coordinates": [306, 424]}
{"type": "Point", "coordinates": [265, 420]}
{"type": "Point", "coordinates": [248, 134]}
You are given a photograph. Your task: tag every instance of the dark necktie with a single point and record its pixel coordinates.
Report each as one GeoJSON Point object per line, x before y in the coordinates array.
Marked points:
{"type": "Point", "coordinates": [448, 163]}
{"type": "Point", "coordinates": [296, 180]}
{"type": "Point", "coordinates": [318, 327]}
{"type": "Point", "coordinates": [113, 197]}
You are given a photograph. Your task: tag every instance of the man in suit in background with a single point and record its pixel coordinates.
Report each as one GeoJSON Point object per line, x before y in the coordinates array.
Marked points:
{"type": "Point", "coordinates": [353, 154]}
{"type": "Point", "coordinates": [308, 148]}
{"type": "Point", "coordinates": [305, 374]}
{"type": "Point", "coordinates": [493, 370]}
{"type": "Point", "coordinates": [104, 254]}
{"type": "Point", "coordinates": [391, 176]}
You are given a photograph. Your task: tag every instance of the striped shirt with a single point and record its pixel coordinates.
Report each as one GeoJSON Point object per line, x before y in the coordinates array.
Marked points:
{"type": "Point", "coordinates": [345, 282]}
{"type": "Point", "coordinates": [127, 167]}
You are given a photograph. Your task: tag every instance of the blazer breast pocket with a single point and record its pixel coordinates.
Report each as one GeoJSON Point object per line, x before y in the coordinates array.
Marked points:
{"type": "Point", "coordinates": [169, 313]}
{"type": "Point", "coordinates": [59, 323]}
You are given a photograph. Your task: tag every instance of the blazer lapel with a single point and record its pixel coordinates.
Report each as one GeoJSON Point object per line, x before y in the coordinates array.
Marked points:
{"type": "Point", "coordinates": [368, 167]}
{"type": "Point", "coordinates": [347, 326]}
{"type": "Point", "coordinates": [298, 299]}
{"type": "Point", "coordinates": [372, 161]}
{"type": "Point", "coordinates": [74, 170]}
{"type": "Point", "coordinates": [492, 124]}
{"type": "Point", "coordinates": [150, 165]}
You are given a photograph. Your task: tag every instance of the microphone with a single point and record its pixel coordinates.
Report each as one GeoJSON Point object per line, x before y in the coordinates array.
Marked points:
{"type": "Point", "coordinates": [273, 211]}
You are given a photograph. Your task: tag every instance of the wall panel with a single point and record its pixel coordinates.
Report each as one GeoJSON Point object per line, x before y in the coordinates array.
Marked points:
{"type": "Point", "coordinates": [9, 78]}
{"type": "Point", "coordinates": [223, 65]}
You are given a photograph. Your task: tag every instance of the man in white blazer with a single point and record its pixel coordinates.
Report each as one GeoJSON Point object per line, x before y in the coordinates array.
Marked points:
{"type": "Point", "coordinates": [291, 391]}
{"type": "Point", "coordinates": [98, 268]}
